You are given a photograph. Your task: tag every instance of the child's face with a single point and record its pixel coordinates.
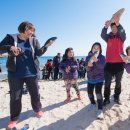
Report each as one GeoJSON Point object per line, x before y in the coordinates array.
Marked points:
{"type": "Point", "coordinates": [70, 54]}
{"type": "Point", "coordinates": [95, 48]}
{"type": "Point", "coordinates": [128, 52]}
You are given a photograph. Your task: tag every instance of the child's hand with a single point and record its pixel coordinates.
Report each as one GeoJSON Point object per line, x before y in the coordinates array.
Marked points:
{"type": "Point", "coordinates": [67, 70]}
{"type": "Point", "coordinates": [90, 64]}
{"type": "Point", "coordinates": [95, 59]}
{"type": "Point", "coordinates": [125, 59]}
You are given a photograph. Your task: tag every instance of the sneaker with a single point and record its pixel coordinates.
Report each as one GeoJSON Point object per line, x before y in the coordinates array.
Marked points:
{"type": "Point", "coordinates": [39, 114]}
{"type": "Point", "coordinates": [92, 107]}
{"type": "Point", "coordinates": [67, 100]}
{"type": "Point", "coordinates": [117, 101]}
{"type": "Point", "coordinates": [106, 102]}
{"type": "Point", "coordinates": [100, 115]}
{"type": "Point", "coordinates": [11, 124]}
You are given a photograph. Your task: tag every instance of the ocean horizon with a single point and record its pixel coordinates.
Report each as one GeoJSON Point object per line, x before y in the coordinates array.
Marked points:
{"type": "Point", "coordinates": [42, 60]}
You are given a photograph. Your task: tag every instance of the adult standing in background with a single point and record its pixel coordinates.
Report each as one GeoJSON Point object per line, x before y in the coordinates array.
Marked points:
{"type": "Point", "coordinates": [56, 62]}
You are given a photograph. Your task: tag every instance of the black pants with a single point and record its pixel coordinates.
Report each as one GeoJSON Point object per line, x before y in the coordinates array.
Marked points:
{"type": "Point", "coordinates": [108, 78]}
{"type": "Point", "coordinates": [16, 87]}
{"type": "Point", "coordinates": [49, 74]}
{"type": "Point", "coordinates": [56, 73]}
{"type": "Point", "coordinates": [98, 90]}
{"type": "Point", "coordinates": [60, 75]}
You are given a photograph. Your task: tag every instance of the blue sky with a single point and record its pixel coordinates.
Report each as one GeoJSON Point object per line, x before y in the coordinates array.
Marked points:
{"type": "Point", "coordinates": [76, 23]}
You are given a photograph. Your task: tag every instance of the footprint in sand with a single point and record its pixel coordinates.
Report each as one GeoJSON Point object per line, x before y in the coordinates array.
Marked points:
{"type": "Point", "coordinates": [117, 112]}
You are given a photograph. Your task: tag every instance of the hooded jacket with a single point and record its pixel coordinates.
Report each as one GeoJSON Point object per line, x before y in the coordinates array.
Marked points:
{"type": "Point", "coordinates": [9, 41]}
{"type": "Point", "coordinates": [96, 72]}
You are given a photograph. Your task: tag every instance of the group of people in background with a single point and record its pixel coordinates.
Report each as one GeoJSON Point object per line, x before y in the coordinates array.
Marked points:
{"type": "Point", "coordinates": [23, 67]}
{"type": "Point", "coordinates": [51, 68]}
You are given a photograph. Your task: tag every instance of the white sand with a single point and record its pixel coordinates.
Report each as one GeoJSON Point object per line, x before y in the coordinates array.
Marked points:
{"type": "Point", "coordinates": [71, 116]}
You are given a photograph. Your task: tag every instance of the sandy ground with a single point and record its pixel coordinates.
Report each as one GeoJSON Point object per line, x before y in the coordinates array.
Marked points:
{"type": "Point", "coordinates": [71, 116]}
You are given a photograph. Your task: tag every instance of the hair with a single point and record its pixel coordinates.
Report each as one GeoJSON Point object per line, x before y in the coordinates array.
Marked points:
{"type": "Point", "coordinates": [24, 26]}
{"type": "Point", "coordinates": [65, 56]}
{"type": "Point", "coordinates": [96, 43]}
{"type": "Point", "coordinates": [112, 24]}
{"type": "Point", "coordinates": [58, 53]}
{"type": "Point", "coordinates": [127, 49]}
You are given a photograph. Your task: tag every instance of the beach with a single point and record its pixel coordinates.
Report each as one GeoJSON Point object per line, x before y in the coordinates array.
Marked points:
{"type": "Point", "coordinates": [72, 116]}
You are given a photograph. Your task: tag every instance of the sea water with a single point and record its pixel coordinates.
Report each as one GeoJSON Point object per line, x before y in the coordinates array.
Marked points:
{"type": "Point", "coordinates": [42, 60]}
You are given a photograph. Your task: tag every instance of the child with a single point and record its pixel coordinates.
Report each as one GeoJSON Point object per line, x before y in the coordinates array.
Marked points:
{"type": "Point", "coordinates": [126, 58]}
{"type": "Point", "coordinates": [95, 75]}
{"type": "Point", "coordinates": [69, 67]}
{"type": "Point", "coordinates": [49, 67]}
{"type": "Point", "coordinates": [44, 72]}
